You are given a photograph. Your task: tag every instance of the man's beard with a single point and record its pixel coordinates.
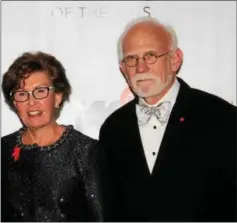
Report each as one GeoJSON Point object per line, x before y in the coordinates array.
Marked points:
{"type": "Point", "coordinates": [148, 85]}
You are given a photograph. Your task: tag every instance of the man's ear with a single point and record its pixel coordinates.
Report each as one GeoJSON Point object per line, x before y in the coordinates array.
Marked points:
{"type": "Point", "coordinates": [177, 60]}
{"type": "Point", "coordinates": [122, 67]}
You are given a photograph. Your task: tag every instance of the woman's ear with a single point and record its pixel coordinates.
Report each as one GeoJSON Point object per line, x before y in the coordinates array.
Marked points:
{"type": "Point", "coordinates": [58, 99]}
{"type": "Point", "coordinates": [15, 105]}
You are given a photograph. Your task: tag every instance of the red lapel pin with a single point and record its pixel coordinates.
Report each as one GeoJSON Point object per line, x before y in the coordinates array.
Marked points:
{"type": "Point", "coordinates": [16, 153]}
{"type": "Point", "coordinates": [181, 119]}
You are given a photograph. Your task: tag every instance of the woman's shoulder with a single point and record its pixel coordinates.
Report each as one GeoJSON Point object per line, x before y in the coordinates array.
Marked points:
{"type": "Point", "coordinates": [8, 139]}
{"type": "Point", "coordinates": [82, 139]}
{"type": "Point", "coordinates": [8, 142]}
{"type": "Point", "coordinates": [82, 144]}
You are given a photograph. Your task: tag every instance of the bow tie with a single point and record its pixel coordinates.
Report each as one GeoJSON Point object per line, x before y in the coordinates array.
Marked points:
{"type": "Point", "coordinates": [161, 112]}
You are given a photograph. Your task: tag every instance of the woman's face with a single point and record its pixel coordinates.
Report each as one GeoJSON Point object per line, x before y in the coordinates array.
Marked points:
{"type": "Point", "coordinates": [37, 112]}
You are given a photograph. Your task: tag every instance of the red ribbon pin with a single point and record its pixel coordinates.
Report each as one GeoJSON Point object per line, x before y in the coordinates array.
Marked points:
{"type": "Point", "coordinates": [16, 153]}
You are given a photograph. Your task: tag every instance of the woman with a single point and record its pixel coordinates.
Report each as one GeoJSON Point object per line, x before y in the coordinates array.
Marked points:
{"type": "Point", "coordinates": [48, 170]}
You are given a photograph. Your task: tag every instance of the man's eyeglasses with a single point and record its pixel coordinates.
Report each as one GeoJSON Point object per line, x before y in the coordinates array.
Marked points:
{"type": "Point", "coordinates": [38, 93]}
{"type": "Point", "coordinates": [148, 58]}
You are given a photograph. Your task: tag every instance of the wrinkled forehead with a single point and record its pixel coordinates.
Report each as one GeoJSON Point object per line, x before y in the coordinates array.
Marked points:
{"type": "Point", "coordinates": [146, 35]}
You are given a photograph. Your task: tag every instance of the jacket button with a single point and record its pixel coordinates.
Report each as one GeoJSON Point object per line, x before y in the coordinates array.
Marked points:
{"type": "Point", "coordinates": [62, 216]}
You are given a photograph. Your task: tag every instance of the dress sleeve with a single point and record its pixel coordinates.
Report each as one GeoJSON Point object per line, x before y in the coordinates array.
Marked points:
{"type": "Point", "coordinates": [8, 213]}
{"type": "Point", "coordinates": [91, 173]}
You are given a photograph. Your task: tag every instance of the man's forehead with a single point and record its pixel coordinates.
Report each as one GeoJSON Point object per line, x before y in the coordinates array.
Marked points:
{"type": "Point", "coordinates": [143, 35]}
{"type": "Point", "coordinates": [142, 45]}
{"type": "Point", "coordinates": [156, 29]}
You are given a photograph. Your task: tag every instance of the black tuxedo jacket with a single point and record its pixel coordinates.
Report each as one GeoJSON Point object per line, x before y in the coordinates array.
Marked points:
{"type": "Point", "coordinates": [194, 177]}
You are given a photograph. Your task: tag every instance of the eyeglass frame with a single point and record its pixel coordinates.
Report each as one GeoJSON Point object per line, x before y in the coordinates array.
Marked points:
{"type": "Point", "coordinates": [49, 88]}
{"type": "Point", "coordinates": [143, 57]}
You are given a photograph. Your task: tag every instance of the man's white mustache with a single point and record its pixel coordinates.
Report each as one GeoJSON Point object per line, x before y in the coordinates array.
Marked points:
{"type": "Point", "coordinates": [143, 76]}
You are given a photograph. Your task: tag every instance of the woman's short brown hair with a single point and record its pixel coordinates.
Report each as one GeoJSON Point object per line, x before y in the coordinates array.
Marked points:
{"type": "Point", "coordinates": [28, 63]}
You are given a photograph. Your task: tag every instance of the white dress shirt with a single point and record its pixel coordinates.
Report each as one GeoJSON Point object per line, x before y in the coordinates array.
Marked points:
{"type": "Point", "coordinates": [152, 132]}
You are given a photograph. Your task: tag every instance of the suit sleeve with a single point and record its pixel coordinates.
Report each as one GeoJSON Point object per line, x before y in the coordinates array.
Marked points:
{"type": "Point", "coordinates": [112, 192]}
{"type": "Point", "coordinates": [229, 165]}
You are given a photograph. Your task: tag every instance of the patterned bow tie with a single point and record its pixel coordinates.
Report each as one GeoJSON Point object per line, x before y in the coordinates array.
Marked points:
{"type": "Point", "coordinates": [161, 112]}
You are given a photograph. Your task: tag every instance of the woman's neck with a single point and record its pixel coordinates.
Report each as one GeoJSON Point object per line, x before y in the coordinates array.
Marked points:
{"type": "Point", "coordinates": [44, 136]}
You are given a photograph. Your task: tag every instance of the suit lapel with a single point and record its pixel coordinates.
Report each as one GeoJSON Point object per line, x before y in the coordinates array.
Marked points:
{"type": "Point", "coordinates": [134, 140]}
{"type": "Point", "coordinates": [174, 136]}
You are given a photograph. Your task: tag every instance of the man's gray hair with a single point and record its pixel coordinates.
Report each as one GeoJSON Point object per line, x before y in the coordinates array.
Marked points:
{"type": "Point", "coordinates": [149, 20]}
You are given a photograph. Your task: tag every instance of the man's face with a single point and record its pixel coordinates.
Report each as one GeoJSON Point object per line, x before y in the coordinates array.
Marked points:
{"type": "Point", "coordinates": [154, 71]}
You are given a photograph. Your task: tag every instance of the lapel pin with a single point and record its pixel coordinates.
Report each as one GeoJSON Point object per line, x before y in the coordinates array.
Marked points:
{"type": "Point", "coordinates": [181, 119]}
{"type": "Point", "coordinates": [16, 153]}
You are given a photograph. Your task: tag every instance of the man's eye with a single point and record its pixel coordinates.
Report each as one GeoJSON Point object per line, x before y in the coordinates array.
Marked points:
{"type": "Point", "coordinates": [150, 54]}
{"type": "Point", "coordinates": [130, 57]}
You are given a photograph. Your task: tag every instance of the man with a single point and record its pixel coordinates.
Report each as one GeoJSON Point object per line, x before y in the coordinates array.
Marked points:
{"type": "Point", "coordinates": [172, 150]}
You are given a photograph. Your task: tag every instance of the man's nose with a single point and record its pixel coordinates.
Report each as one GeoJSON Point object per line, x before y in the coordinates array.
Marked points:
{"type": "Point", "coordinates": [141, 66]}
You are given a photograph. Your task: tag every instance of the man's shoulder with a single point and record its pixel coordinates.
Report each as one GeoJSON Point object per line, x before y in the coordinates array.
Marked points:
{"type": "Point", "coordinates": [121, 114]}
{"type": "Point", "coordinates": [202, 98]}
{"type": "Point", "coordinates": [210, 101]}
{"type": "Point", "coordinates": [212, 110]}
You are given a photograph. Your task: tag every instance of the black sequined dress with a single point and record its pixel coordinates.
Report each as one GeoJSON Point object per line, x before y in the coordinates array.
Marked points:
{"type": "Point", "coordinates": [52, 183]}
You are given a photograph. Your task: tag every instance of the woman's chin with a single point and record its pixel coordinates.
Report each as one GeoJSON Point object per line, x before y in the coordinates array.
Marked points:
{"type": "Point", "coordinates": [36, 124]}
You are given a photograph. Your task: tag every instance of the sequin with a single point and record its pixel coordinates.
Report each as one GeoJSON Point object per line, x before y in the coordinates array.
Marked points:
{"type": "Point", "coordinates": [53, 183]}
